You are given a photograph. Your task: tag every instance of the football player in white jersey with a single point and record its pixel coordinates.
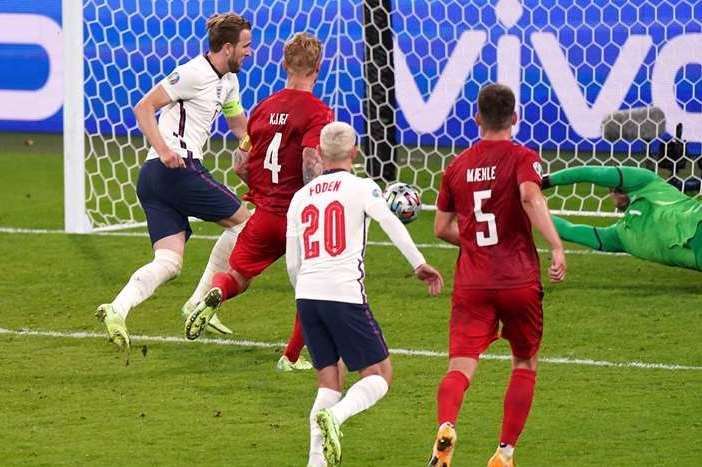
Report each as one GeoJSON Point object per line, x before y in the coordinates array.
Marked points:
{"type": "Point", "coordinates": [326, 239]}
{"type": "Point", "coordinates": [173, 184]}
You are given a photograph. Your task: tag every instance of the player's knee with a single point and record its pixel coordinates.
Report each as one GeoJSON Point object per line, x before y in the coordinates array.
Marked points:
{"type": "Point", "coordinates": [466, 365]}
{"type": "Point", "coordinates": [382, 369]}
{"type": "Point", "coordinates": [169, 261]}
{"type": "Point", "coordinates": [236, 229]}
{"type": "Point", "coordinates": [524, 363]}
{"type": "Point", "coordinates": [386, 370]}
{"type": "Point", "coordinates": [237, 219]}
{"type": "Point", "coordinates": [329, 378]}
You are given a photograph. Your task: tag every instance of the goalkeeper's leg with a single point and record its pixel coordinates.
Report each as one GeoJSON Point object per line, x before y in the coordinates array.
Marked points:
{"type": "Point", "coordinates": [597, 238]}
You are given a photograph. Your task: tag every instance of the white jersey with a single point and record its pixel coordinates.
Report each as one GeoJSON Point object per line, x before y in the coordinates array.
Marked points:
{"type": "Point", "coordinates": [327, 228]}
{"type": "Point", "coordinates": [198, 93]}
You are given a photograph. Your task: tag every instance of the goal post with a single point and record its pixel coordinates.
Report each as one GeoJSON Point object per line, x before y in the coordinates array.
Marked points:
{"type": "Point", "coordinates": [406, 75]}
{"type": "Point", "coordinates": [75, 216]}
{"type": "Point", "coordinates": [379, 71]}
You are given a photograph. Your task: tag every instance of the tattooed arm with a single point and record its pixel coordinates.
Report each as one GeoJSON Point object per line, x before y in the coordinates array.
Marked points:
{"type": "Point", "coordinates": [240, 160]}
{"type": "Point", "coordinates": [311, 164]}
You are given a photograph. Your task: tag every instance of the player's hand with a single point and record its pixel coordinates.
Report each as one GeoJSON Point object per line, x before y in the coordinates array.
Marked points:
{"type": "Point", "coordinates": [557, 270]}
{"type": "Point", "coordinates": [171, 159]}
{"type": "Point", "coordinates": [431, 277]}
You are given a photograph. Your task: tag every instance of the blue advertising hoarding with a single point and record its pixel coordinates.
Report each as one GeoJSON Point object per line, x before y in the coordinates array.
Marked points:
{"type": "Point", "coordinates": [570, 62]}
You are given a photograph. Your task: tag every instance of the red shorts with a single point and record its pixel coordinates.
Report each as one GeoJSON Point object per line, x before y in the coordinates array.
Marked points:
{"type": "Point", "coordinates": [476, 314]}
{"type": "Point", "coordinates": [260, 243]}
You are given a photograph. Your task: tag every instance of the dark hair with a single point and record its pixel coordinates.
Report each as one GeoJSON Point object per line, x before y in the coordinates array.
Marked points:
{"type": "Point", "coordinates": [496, 106]}
{"type": "Point", "coordinates": [223, 28]}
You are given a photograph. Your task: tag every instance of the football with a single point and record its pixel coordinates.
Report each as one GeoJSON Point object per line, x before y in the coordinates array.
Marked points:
{"type": "Point", "coordinates": [403, 200]}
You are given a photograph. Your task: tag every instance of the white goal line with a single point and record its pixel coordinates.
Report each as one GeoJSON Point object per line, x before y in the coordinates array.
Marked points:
{"type": "Point", "coordinates": [405, 352]}
{"type": "Point", "coordinates": [15, 230]}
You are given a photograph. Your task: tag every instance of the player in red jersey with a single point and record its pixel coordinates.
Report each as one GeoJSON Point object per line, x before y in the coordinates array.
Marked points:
{"type": "Point", "coordinates": [493, 192]}
{"type": "Point", "coordinates": [283, 132]}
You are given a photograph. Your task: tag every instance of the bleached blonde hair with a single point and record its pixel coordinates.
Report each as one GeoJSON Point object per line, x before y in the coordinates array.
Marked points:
{"type": "Point", "coordinates": [337, 140]}
{"type": "Point", "coordinates": [302, 54]}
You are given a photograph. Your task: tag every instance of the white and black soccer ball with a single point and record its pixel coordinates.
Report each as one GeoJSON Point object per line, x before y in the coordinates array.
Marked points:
{"type": "Point", "coordinates": [403, 200]}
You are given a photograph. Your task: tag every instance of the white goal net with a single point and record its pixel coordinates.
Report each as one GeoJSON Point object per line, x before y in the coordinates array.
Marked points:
{"type": "Point", "coordinates": [406, 74]}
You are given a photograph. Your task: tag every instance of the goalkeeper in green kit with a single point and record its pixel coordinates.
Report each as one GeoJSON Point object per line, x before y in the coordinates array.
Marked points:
{"type": "Point", "coordinates": [660, 223]}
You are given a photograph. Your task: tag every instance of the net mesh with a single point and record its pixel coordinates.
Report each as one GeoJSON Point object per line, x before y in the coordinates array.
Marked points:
{"type": "Point", "coordinates": [571, 63]}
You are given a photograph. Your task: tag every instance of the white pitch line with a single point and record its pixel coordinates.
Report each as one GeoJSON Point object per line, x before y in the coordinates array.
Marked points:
{"type": "Point", "coordinates": [441, 246]}
{"type": "Point", "coordinates": [406, 352]}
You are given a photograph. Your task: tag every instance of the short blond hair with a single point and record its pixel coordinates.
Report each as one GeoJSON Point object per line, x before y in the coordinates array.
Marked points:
{"type": "Point", "coordinates": [223, 28]}
{"type": "Point", "coordinates": [337, 141]}
{"type": "Point", "coordinates": [303, 53]}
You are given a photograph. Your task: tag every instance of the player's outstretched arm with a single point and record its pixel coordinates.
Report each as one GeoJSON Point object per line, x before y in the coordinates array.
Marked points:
{"type": "Point", "coordinates": [597, 238]}
{"type": "Point", "coordinates": [536, 209]}
{"type": "Point", "coordinates": [431, 277]}
{"type": "Point", "coordinates": [577, 233]}
{"type": "Point", "coordinates": [400, 237]}
{"type": "Point", "coordinates": [446, 227]}
{"type": "Point", "coordinates": [145, 113]}
{"type": "Point", "coordinates": [378, 210]}
{"type": "Point", "coordinates": [625, 178]}
{"type": "Point", "coordinates": [634, 178]}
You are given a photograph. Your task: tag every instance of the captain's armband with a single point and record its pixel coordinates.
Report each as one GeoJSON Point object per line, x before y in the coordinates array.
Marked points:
{"type": "Point", "coordinates": [232, 109]}
{"type": "Point", "coordinates": [245, 143]}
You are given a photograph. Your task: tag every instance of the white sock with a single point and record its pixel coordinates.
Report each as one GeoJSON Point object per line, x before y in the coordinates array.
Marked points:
{"type": "Point", "coordinates": [507, 451]}
{"type": "Point", "coordinates": [165, 266]}
{"type": "Point", "coordinates": [218, 262]}
{"type": "Point", "coordinates": [325, 398]}
{"type": "Point", "coordinates": [361, 396]}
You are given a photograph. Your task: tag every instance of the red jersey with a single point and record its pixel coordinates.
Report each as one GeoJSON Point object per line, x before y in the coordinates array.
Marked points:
{"type": "Point", "coordinates": [280, 127]}
{"type": "Point", "coordinates": [481, 186]}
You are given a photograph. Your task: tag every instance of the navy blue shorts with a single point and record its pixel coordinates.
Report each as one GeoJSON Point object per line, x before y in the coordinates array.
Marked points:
{"type": "Point", "coordinates": [346, 330]}
{"type": "Point", "coordinates": [169, 196]}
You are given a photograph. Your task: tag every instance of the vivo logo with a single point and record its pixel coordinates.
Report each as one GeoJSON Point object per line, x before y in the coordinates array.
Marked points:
{"type": "Point", "coordinates": [426, 116]}
{"type": "Point", "coordinates": [44, 102]}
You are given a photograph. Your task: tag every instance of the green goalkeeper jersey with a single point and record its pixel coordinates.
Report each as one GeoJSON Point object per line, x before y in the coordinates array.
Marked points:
{"type": "Point", "coordinates": [659, 222]}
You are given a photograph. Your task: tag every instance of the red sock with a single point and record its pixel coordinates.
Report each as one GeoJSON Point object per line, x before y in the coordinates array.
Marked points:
{"type": "Point", "coordinates": [449, 397]}
{"type": "Point", "coordinates": [226, 282]}
{"type": "Point", "coordinates": [518, 398]}
{"type": "Point", "coordinates": [296, 341]}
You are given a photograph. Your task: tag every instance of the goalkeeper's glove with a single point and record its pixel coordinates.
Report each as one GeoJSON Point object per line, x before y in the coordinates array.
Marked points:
{"type": "Point", "coordinates": [546, 182]}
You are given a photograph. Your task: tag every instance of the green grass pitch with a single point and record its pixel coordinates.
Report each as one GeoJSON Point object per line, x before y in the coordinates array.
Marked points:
{"type": "Point", "coordinates": [73, 401]}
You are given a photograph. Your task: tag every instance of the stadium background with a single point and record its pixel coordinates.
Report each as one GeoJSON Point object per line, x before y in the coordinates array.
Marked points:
{"type": "Point", "coordinates": [622, 364]}
{"type": "Point", "coordinates": [142, 40]}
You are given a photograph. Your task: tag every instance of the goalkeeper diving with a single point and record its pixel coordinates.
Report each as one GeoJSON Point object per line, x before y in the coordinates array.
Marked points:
{"type": "Point", "coordinates": [660, 223]}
